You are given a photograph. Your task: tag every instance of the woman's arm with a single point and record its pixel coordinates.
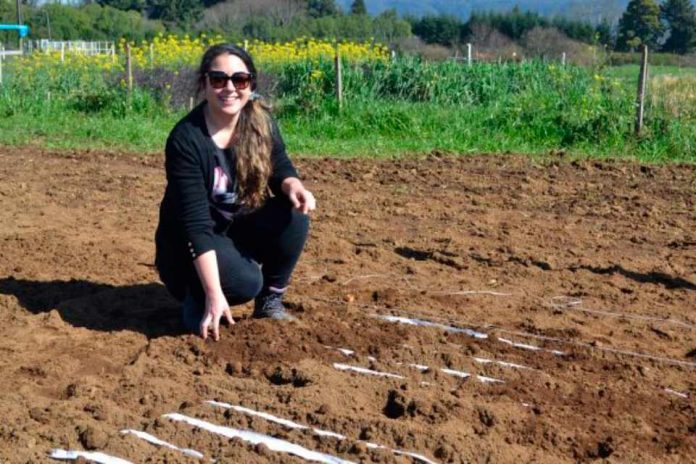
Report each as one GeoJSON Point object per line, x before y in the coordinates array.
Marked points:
{"type": "Point", "coordinates": [215, 302]}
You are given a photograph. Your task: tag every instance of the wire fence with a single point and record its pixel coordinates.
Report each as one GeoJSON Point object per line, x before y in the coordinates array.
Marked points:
{"type": "Point", "coordinates": [69, 46]}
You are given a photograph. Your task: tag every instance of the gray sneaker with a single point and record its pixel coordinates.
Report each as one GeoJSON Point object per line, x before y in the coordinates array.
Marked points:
{"type": "Point", "coordinates": [269, 304]}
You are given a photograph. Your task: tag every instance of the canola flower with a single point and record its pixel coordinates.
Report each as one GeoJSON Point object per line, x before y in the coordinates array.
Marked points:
{"type": "Point", "coordinates": [173, 52]}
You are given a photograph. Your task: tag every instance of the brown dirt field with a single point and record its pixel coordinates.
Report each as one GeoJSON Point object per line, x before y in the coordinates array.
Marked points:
{"type": "Point", "coordinates": [585, 257]}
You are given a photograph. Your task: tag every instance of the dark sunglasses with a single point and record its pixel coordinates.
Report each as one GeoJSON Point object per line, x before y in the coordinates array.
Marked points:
{"type": "Point", "coordinates": [240, 80]}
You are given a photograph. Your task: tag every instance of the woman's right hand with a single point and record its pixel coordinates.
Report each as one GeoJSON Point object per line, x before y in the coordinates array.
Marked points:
{"type": "Point", "coordinates": [216, 307]}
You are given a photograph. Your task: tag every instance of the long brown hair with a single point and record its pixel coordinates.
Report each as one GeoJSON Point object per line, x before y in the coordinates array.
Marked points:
{"type": "Point", "coordinates": [253, 140]}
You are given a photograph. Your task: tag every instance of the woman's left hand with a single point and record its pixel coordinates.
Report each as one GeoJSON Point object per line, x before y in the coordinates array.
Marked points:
{"type": "Point", "coordinates": [301, 198]}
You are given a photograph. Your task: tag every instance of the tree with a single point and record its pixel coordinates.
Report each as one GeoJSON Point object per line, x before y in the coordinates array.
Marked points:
{"type": "Point", "coordinates": [181, 12]}
{"type": "Point", "coordinates": [388, 27]}
{"type": "Point", "coordinates": [443, 30]}
{"type": "Point", "coordinates": [639, 25]}
{"type": "Point", "coordinates": [138, 5]}
{"type": "Point", "coordinates": [604, 34]}
{"type": "Point", "coordinates": [358, 7]}
{"type": "Point", "coordinates": [680, 18]}
{"type": "Point", "coordinates": [320, 8]}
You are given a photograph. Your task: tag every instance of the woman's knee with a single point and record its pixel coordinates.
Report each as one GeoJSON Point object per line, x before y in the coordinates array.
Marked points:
{"type": "Point", "coordinates": [241, 284]}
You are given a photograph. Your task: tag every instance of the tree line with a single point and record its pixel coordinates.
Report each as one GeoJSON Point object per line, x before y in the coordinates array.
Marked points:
{"type": "Point", "coordinates": [669, 26]}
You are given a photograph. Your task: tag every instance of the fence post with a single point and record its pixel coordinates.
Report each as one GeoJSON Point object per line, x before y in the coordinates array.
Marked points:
{"type": "Point", "coordinates": [563, 59]}
{"type": "Point", "coordinates": [642, 81]}
{"type": "Point", "coordinates": [152, 55]}
{"type": "Point", "coordinates": [339, 78]}
{"type": "Point", "coordinates": [129, 68]}
{"type": "Point", "coordinates": [468, 54]}
{"type": "Point", "coordinates": [62, 52]}
{"type": "Point", "coordinates": [113, 52]}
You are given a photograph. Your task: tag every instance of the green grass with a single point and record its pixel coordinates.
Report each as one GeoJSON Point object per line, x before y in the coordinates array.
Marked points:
{"type": "Point", "coordinates": [66, 130]}
{"type": "Point", "coordinates": [391, 109]}
{"type": "Point", "coordinates": [630, 72]}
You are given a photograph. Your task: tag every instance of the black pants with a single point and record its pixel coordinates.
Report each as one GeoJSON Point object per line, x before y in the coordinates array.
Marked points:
{"type": "Point", "coordinates": [259, 250]}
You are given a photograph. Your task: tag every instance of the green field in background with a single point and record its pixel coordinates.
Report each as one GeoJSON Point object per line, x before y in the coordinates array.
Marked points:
{"type": "Point", "coordinates": [400, 107]}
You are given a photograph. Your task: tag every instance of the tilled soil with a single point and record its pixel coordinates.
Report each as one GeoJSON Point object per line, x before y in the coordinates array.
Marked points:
{"type": "Point", "coordinates": [592, 262]}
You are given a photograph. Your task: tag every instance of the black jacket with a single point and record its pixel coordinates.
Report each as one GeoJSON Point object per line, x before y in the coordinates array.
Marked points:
{"type": "Point", "coordinates": [186, 224]}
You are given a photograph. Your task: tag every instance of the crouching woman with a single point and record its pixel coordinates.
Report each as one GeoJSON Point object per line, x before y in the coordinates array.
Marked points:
{"type": "Point", "coordinates": [233, 220]}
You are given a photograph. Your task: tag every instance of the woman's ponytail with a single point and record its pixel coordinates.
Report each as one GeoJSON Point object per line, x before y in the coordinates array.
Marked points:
{"type": "Point", "coordinates": [254, 142]}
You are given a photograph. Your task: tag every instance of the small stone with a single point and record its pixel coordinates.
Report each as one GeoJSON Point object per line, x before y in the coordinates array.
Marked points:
{"type": "Point", "coordinates": [358, 448]}
{"type": "Point", "coordinates": [487, 417]}
{"type": "Point", "coordinates": [92, 438]}
{"type": "Point", "coordinates": [185, 405]}
{"type": "Point", "coordinates": [329, 278]}
{"type": "Point", "coordinates": [40, 415]}
{"type": "Point", "coordinates": [71, 390]}
{"type": "Point", "coordinates": [324, 409]}
{"type": "Point", "coordinates": [367, 433]}
{"type": "Point", "coordinates": [262, 450]}
{"type": "Point", "coordinates": [233, 368]}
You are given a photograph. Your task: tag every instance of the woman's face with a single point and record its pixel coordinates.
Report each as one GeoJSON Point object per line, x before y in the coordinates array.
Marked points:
{"type": "Point", "coordinates": [228, 100]}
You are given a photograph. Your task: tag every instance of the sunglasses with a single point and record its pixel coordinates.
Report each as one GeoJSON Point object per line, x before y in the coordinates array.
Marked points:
{"type": "Point", "coordinates": [240, 80]}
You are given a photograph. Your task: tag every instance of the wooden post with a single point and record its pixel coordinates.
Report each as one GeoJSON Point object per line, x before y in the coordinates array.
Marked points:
{"type": "Point", "coordinates": [642, 81]}
{"type": "Point", "coordinates": [152, 55]}
{"type": "Point", "coordinates": [62, 52]}
{"type": "Point", "coordinates": [468, 54]}
{"type": "Point", "coordinates": [563, 59]}
{"type": "Point", "coordinates": [190, 103]}
{"type": "Point", "coordinates": [339, 79]}
{"type": "Point", "coordinates": [129, 68]}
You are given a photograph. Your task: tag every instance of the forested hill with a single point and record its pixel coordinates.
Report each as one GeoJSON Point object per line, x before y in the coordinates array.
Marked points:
{"type": "Point", "coordinates": [587, 10]}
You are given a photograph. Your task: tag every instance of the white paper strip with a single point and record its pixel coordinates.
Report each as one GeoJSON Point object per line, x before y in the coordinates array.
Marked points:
{"type": "Point", "coordinates": [295, 425]}
{"type": "Point", "coordinates": [424, 323]}
{"type": "Point", "coordinates": [420, 367]}
{"type": "Point", "coordinates": [156, 441]}
{"type": "Point", "coordinates": [363, 370]}
{"type": "Point", "coordinates": [275, 419]}
{"type": "Point", "coordinates": [72, 455]}
{"type": "Point", "coordinates": [501, 363]}
{"type": "Point", "coordinates": [674, 392]}
{"type": "Point", "coordinates": [529, 347]}
{"type": "Point", "coordinates": [484, 379]}
{"type": "Point", "coordinates": [465, 375]}
{"type": "Point", "coordinates": [274, 444]}
{"type": "Point", "coordinates": [419, 457]}
{"type": "Point", "coordinates": [462, 374]}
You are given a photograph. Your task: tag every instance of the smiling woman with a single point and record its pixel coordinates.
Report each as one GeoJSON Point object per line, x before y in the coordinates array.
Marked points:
{"type": "Point", "coordinates": [233, 220]}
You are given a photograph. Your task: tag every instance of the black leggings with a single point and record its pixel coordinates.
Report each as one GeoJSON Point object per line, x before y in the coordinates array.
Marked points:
{"type": "Point", "coordinates": [260, 250]}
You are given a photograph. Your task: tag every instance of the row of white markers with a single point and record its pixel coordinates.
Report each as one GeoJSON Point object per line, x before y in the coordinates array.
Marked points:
{"type": "Point", "coordinates": [254, 438]}
{"type": "Point", "coordinates": [275, 444]}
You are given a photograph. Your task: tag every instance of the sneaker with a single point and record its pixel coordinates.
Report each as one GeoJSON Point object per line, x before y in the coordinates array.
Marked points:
{"type": "Point", "coordinates": [191, 314]}
{"type": "Point", "coordinates": [269, 304]}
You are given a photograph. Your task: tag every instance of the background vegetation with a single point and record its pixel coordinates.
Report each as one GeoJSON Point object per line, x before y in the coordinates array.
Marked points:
{"type": "Point", "coordinates": [517, 96]}
{"type": "Point", "coordinates": [392, 105]}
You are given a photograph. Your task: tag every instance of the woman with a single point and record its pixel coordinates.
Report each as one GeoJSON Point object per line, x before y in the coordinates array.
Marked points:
{"type": "Point", "coordinates": [233, 220]}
